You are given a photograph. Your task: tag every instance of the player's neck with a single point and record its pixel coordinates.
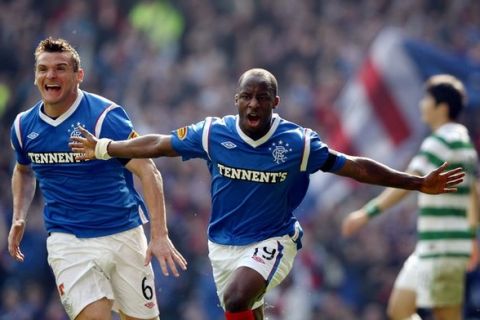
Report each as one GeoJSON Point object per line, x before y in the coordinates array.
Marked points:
{"type": "Point", "coordinates": [436, 125]}
{"type": "Point", "coordinates": [55, 110]}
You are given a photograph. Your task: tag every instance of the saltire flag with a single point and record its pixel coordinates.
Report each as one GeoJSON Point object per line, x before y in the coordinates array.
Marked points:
{"type": "Point", "coordinates": [377, 113]}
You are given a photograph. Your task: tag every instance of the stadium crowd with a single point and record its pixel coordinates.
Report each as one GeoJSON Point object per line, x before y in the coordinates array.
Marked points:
{"type": "Point", "coordinates": [171, 63]}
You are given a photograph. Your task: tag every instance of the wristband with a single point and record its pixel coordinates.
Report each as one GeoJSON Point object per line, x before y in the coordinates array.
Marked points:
{"type": "Point", "coordinates": [372, 209]}
{"type": "Point", "coordinates": [101, 152]}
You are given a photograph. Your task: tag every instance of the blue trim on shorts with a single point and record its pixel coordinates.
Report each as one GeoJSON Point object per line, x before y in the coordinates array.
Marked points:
{"type": "Point", "coordinates": [296, 235]}
{"type": "Point", "coordinates": [277, 262]}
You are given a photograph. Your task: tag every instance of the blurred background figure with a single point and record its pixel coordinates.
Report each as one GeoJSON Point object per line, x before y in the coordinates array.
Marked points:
{"type": "Point", "coordinates": [356, 63]}
{"type": "Point", "coordinates": [433, 276]}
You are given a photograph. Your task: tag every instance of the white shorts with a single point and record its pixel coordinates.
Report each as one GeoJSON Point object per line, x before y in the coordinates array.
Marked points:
{"type": "Point", "coordinates": [112, 267]}
{"type": "Point", "coordinates": [272, 258]}
{"type": "Point", "coordinates": [437, 282]}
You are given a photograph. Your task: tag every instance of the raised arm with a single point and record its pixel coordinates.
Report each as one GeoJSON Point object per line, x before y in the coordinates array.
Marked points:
{"type": "Point", "coordinates": [370, 171]}
{"type": "Point", "coordinates": [147, 146]}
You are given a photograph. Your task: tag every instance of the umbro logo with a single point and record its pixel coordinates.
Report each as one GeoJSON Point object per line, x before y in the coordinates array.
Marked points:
{"type": "Point", "coordinates": [229, 145]}
{"type": "Point", "coordinates": [32, 135]}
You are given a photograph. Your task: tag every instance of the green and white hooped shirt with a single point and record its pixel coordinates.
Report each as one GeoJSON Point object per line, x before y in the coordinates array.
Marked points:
{"type": "Point", "coordinates": [442, 225]}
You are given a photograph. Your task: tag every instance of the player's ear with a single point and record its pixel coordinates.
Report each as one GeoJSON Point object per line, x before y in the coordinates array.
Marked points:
{"type": "Point", "coordinates": [80, 75]}
{"type": "Point", "coordinates": [236, 98]}
{"type": "Point", "coordinates": [276, 102]}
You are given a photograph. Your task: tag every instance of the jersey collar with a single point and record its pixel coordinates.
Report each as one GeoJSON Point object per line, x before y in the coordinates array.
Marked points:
{"type": "Point", "coordinates": [256, 143]}
{"type": "Point", "coordinates": [63, 117]}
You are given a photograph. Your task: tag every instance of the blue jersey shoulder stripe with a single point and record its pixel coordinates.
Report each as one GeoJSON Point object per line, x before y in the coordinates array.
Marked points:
{"type": "Point", "coordinates": [306, 149]}
{"type": "Point", "coordinates": [206, 134]}
{"type": "Point", "coordinates": [18, 125]}
{"type": "Point", "coordinates": [18, 131]}
{"type": "Point", "coordinates": [101, 118]}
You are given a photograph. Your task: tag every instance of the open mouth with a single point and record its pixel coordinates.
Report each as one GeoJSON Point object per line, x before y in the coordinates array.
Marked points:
{"type": "Point", "coordinates": [253, 120]}
{"type": "Point", "coordinates": [52, 88]}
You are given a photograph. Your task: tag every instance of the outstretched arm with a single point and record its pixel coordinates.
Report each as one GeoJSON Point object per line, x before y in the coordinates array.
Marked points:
{"type": "Point", "coordinates": [23, 189]}
{"type": "Point", "coordinates": [370, 171]}
{"type": "Point", "coordinates": [147, 146]}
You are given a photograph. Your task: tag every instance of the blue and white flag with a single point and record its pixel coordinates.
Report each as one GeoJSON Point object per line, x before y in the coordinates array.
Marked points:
{"type": "Point", "coordinates": [377, 113]}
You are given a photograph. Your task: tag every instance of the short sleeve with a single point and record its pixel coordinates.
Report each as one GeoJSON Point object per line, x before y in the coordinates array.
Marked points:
{"type": "Point", "coordinates": [428, 157]}
{"type": "Point", "coordinates": [116, 125]}
{"type": "Point", "coordinates": [320, 156]}
{"type": "Point", "coordinates": [189, 141]}
{"type": "Point", "coordinates": [16, 142]}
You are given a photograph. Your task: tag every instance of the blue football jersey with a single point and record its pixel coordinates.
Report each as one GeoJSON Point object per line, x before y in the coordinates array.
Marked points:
{"type": "Point", "coordinates": [256, 184]}
{"type": "Point", "coordinates": [85, 198]}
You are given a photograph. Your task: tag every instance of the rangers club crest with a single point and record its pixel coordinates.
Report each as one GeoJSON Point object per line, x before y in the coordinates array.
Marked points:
{"type": "Point", "coordinates": [73, 131]}
{"type": "Point", "coordinates": [279, 151]}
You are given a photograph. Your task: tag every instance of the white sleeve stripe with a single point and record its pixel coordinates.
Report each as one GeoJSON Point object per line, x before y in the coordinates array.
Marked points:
{"type": "Point", "coordinates": [98, 125]}
{"type": "Point", "coordinates": [306, 149]}
{"type": "Point", "coordinates": [18, 129]}
{"type": "Point", "coordinates": [205, 134]}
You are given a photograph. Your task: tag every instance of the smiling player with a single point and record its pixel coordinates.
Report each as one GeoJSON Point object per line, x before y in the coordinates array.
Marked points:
{"type": "Point", "coordinates": [97, 248]}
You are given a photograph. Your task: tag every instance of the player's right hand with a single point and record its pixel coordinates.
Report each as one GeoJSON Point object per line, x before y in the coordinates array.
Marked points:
{"type": "Point", "coordinates": [353, 222]}
{"type": "Point", "coordinates": [14, 238]}
{"type": "Point", "coordinates": [83, 145]}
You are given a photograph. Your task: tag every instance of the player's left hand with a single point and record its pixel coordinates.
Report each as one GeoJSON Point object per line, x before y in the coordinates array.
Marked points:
{"type": "Point", "coordinates": [167, 255]}
{"type": "Point", "coordinates": [441, 181]}
{"type": "Point", "coordinates": [83, 145]}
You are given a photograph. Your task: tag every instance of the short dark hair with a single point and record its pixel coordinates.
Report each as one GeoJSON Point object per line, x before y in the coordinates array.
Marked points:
{"type": "Point", "coordinates": [58, 45]}
{"type": "Point", "coordinates": [448, 89]}
{"type": "Point", "coordinates": [272, 81]}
